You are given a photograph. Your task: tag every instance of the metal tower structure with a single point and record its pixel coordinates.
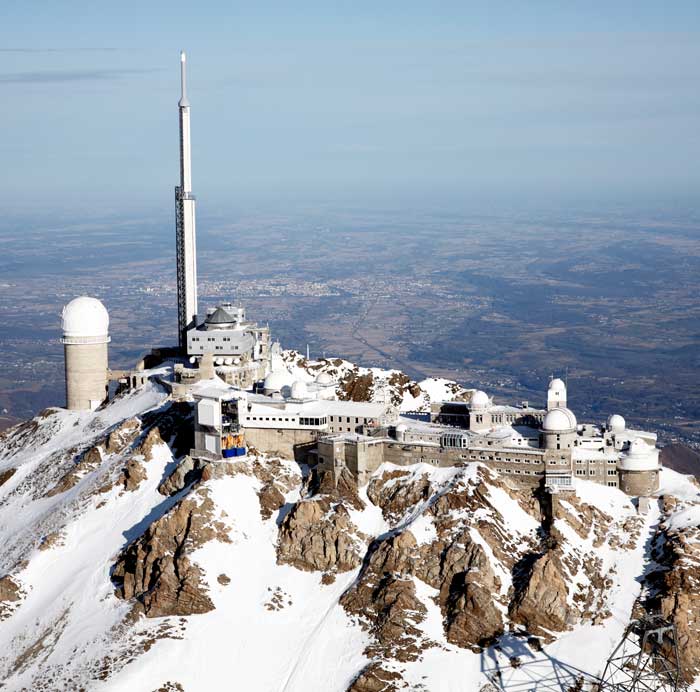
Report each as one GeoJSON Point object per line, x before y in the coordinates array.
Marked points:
{"type": "Point", "coordinates": [186, 248]}
{"type": "Point", "coordinates": [646, 659]}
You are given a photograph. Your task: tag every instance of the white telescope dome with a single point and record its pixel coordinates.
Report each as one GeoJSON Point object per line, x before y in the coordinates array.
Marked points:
{"type": "Point", "coordinates": [275, 381]}
{"type": "Point", "coordinates": [559, 420]}
{"type": "Point", "coordinates": [85, 317]}
{"type": "Point", "coordinates": [298, 390]}
{"type": "Point", "coordinates": [401, 428]}
{"type": "Point", "coordinates": [479, 399]}
{"type": "Point", "coordinates": [557, 383]}
{"type": "Point", "coordinates": [616, 423]}
{"type": "Point", "coordinates": [324, 378]}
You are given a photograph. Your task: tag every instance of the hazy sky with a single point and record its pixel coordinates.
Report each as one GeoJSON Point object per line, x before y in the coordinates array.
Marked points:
{"type": "Point", "coordinates": [352, 101]}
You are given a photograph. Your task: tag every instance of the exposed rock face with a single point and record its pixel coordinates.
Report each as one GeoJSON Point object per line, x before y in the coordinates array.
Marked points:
{"type": "Point", "coordinates": [490, 571]}
{"type": "Point", "coordinates": [384, 596]}
{"type": "Point", "coordinates": [174, 426]}
{"type": "Point", "coordinates": [132, 474]}
{"type": "Point", "coordinates": [187, 471]}
{"type": "Point", "coordinates": [467, 590]}
{"type": "Point", "coordinates": [88, 461]}
{"type": "Point", "coordinates": [452, 563]}
{"type": "Point", "coordinates": [134, 471]}
{"type": "Point", "coordinates": [356, 387]}
{"type": "Point", "coordinates": [400, 383]}
{"type": "Point", "coordinates": [6, 475]}
{"type": "Point", "coordinates": [677, 584]}
{"type": "Point", "coordinates": [345, 489]}
{"type": "Point", "coordinates": [271, 499]}
{"type": "Point", "coordinates": [123, 436]}
{"type": "Point", "coordinates": [396, 492]}
{"type": "Point", "coordinates": [319, 535]}
{"type": "Point", "coordinates": [51, 540]}
{"type": "Point", "coordinates": [156, 570]}
{"type": "Point", "coordinates": [10, 595]}
{"type": "Point", "coordinates": [541, 607]}
{"type": "Point", "coordinates": [374, 678]}
{"type": "Point", "coordinates": [151, 440]}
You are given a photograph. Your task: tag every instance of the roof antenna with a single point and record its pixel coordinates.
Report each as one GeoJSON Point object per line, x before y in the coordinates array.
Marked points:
{"type": "Point", "coordinates": [183, 80]}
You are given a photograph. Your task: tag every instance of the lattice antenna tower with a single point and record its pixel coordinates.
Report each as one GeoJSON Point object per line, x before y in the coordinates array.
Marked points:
{"type": "Point", "coordinates": [646, 659]}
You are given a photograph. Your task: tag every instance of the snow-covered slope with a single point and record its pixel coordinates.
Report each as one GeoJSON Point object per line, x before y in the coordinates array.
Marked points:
{"type": "Point", "coordinates": [123, 568]}
{"type": "Point", "coordinates": [376, 384]}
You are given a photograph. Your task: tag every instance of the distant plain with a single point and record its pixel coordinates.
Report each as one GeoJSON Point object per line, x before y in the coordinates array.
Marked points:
{"type": "Point", "coordinates": [498, 301]}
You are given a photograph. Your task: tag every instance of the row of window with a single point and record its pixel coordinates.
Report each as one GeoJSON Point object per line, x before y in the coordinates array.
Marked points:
{"type": "Point", "coordinates": [348, 419]}
{"type": "Point", "coordinates": [302, 421]}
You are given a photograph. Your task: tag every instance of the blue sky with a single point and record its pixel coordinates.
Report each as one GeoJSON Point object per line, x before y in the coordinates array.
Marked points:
{"type": "Point", "coordinates": [350, 102]}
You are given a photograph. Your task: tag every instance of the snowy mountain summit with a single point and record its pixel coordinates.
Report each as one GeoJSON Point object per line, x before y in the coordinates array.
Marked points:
{"type": "Point", "coordinates": [127, 565]}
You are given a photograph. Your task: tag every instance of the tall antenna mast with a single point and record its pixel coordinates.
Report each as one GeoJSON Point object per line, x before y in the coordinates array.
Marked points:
{"type": "Point", "coordinates": [185, 228]}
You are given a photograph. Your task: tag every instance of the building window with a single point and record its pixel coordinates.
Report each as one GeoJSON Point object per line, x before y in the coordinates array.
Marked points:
{"type": "Point", "coordinates": [612, 484]}
{"type": "Point", "coordinates": [612, 472]}
{"type": "Point", "coordinates": [580, 472]}
{"type": "Point", "coordinates": [591, 472]}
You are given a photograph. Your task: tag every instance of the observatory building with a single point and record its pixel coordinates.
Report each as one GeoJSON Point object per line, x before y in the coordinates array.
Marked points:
{"type": "Point", "coordinates": [85, 325]}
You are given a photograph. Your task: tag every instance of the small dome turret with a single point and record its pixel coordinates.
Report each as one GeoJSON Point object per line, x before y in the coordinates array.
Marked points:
{"type": "Point", "coordinates": [479, 400]}
{"type": "Point", "coordinates": [323, 378]}
{"type": "Point", "coordinates": [275, 381]}
{"type": "Point", "coordinates": [616, 423]}
{"type": "Point", "coordinates": [298, 390]}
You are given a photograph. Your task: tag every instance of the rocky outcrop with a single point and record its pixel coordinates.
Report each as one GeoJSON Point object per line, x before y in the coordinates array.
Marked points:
{"type": "Point", "coordinates": [271, 499]}
{"type": "Point", "coordinates": [132, 474]}
{"type": "Point", "coordinates": [123, 436]}
{"type": "Point", "coordinates": [175, 425]}
{"type": "Point", "coordinates": [374, 678]}
{"type": "Point", "coordinates": [356, 387]}
{"type": "Point", "coordinates": [344, 489]}
{"type": "Point", "coordinates": [384, 597]}
{"type": "Point", "coordinates": [145, 447]}
{"type": "Point", "coordinates": [6, 475]}
{"type": "Point", "coordinates": [542, 604]}
{"type": "Point", "coordinates": [188, 471]}
{"type": "Point", "coordinates": [319, 535]}
{"type": "Point", "coordinates": [10, 596]}
{"type": "Point", "coordinates": [156, 570]}
{"type": "Point", "coordinates": [676, 584]}
{"type": "Point", "coordinates": [397, 491]}
{"type": "Point", "coordinates": [87, 462]}
{"type": "Point", "coordinates": [468, 596]}
{"type": "Point", "coordinates": [399, 384]}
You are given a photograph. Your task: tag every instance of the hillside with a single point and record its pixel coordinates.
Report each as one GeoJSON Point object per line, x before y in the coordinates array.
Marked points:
{"type": "Point", "coordinates": [681, 458]}
{"type": "Point", "coordinates": [126, 567]}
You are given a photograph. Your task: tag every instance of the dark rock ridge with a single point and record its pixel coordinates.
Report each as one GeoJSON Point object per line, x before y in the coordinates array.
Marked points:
{"type": "Point", "coordinates": [156, 570]}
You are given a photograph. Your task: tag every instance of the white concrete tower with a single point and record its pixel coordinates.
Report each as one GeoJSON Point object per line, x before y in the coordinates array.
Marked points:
{"type": "Point", "coordinates": [85, 324]}
{"type": "Point", "coordinates": [185, 224]}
